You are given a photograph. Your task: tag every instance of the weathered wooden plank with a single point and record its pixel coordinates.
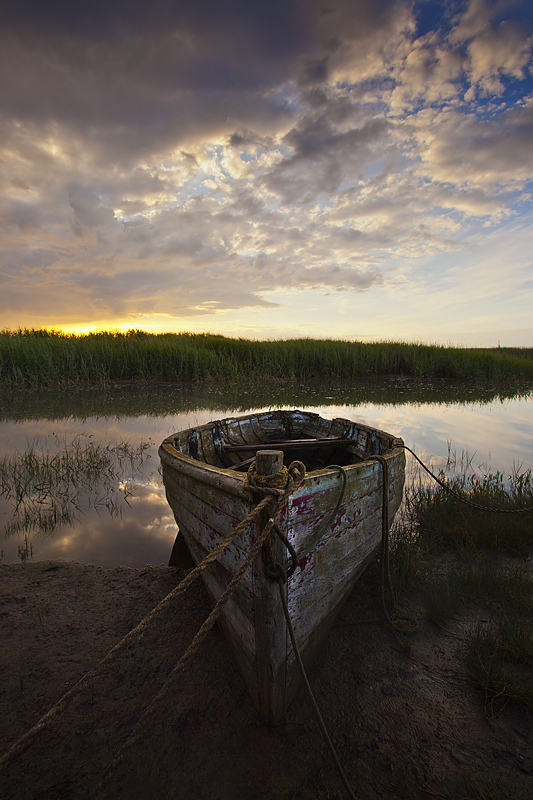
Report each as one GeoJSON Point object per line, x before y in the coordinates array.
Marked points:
{"type": "Point", "coordinates": [239, 607]}
{"type": "Point", "coordinates": [322, 585]}
{"type": "Point", "coordinates": [312, 504]}
{"type": "Point", "coordinates": [232, 482]}
{"type": "Point", "coordinates": [309, 510]}
{"type": "Point", "coordinates": [230, 559]}
{"type": "Point", "coordinates": [334, 548]}
{"type": "Point", "coordinates": [219, 511]}
{"type": "Point", "coordinates": [225, 565]}
{"type": "Point", "coordinates": [310, 648]}
{"type": "Point", "coordinates": [337, 544]}
{"type": "Point", "coordinates": [220, 514]}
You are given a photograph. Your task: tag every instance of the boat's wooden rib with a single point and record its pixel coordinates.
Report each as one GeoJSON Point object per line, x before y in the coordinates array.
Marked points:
{"type": "Point", "coordinates": [293, 444]}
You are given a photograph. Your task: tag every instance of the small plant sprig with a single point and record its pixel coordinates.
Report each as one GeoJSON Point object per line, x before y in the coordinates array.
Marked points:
{"type": "Point", "coordinates": [52, 482]}
{"type": "Point", "coordinates": [501, 661]}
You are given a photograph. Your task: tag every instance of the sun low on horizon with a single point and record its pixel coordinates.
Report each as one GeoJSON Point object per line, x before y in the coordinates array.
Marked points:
{"type": "Point", "coordinates": [267, 171]}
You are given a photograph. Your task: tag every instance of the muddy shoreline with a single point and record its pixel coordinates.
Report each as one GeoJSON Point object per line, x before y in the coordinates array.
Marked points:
{"type": "Point", "coordinates": [407, 720]}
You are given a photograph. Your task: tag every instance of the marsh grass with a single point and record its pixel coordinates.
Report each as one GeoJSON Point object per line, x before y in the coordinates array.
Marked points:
{"type": "Point", "coordinates": [472, 564]}
{"type": "Point", "coordinates": [501, 660]}
{"type": "Point", "coordinates": [440, 520]}
{"type": "Point", "coordinates": [406, 558]}
{"type": "Point", "coordinates": [54, 480]}
{"type": "Point", "coordinates": [25, 550]}
{"type": "Point", "coordinates": [506, 588]}
{"type": "Point", "coordinates": [501, 588]}
{"type": "Point", "coordinates": [40, 358]}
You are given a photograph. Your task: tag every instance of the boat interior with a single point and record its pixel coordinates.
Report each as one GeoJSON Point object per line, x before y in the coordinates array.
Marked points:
{"type": "Point", "coordinates": [304, 436]}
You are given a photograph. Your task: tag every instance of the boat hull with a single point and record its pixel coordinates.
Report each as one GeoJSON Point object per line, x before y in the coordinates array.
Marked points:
{"type": "Point", "coordinates": [209, 501]}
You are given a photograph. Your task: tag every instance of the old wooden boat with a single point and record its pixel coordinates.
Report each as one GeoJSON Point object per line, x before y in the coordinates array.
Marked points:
{"type": "Point", "coordinates": [204, 470]}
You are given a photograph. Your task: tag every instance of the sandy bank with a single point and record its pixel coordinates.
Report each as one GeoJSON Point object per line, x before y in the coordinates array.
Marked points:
{"type": "Point", "coordinates": [405, 722]}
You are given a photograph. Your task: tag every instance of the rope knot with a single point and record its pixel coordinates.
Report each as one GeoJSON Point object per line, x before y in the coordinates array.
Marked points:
{"type": "Point", "coordinates": [279, 486]}
{"type": "Point", "coordinates": [276, 572]}
{"type": "Point", "coordinates": [263, 485]}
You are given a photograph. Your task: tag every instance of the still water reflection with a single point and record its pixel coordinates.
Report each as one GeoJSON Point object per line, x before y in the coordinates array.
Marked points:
{"type": "Point", "coordinates": [494, 428]}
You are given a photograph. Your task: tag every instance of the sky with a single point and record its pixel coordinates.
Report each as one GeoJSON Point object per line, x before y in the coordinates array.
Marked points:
{"type": "Point", "coordinates": [327, 168]}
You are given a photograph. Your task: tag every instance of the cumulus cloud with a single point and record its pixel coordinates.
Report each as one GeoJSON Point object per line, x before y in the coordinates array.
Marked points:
{"type": "Point", "coordinates": [498, 53]}
{"type": "Point", "coordinates": [429, 74]}
{"type": "Point", "coordinates": [495, 48]}
{"type": "Point", "coordinates": [493, 153]}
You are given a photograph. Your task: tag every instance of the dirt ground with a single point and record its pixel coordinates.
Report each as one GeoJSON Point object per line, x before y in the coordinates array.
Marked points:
{"type": "Point", "coordinates": [406, 722]}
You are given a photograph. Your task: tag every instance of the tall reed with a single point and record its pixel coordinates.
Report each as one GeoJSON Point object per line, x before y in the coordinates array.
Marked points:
{"type": "Point", "coordinates": [441, 520]}
{"type": "Point", "coordinates": [40, 357]}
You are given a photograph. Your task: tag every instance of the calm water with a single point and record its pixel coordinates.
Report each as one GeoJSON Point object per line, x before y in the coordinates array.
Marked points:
{"type": "Point", "coordinates": [112, 527]}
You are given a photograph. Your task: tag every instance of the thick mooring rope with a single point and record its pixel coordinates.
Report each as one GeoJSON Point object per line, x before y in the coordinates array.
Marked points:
{"type": "Point", "coordinates": [292, 481]}
{"type": "Point", "coordinates": [453, 493]}
{"type": "Point", "coordinates": [282, 484]}
{"type": "Point", "coordinates": [278, 573]}
{"type": "Point", "coordinates": [281, 579]}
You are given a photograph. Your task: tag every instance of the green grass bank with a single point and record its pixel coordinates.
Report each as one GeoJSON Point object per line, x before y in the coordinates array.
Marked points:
{"type": "Point", "coordinates": [475, 564]}
{"type": "Point", "coordinates": [47, 358]}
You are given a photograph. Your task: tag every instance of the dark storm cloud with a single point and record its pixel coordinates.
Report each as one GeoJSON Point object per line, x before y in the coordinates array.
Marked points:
{"type": "Point", "coordinates": [107, 18]}
{"type": "Point", "coordinates": [154, 74]}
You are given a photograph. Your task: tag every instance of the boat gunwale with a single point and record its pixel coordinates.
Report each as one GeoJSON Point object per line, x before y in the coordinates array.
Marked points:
{"type": "Point", "coordinates": [233, 480]}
